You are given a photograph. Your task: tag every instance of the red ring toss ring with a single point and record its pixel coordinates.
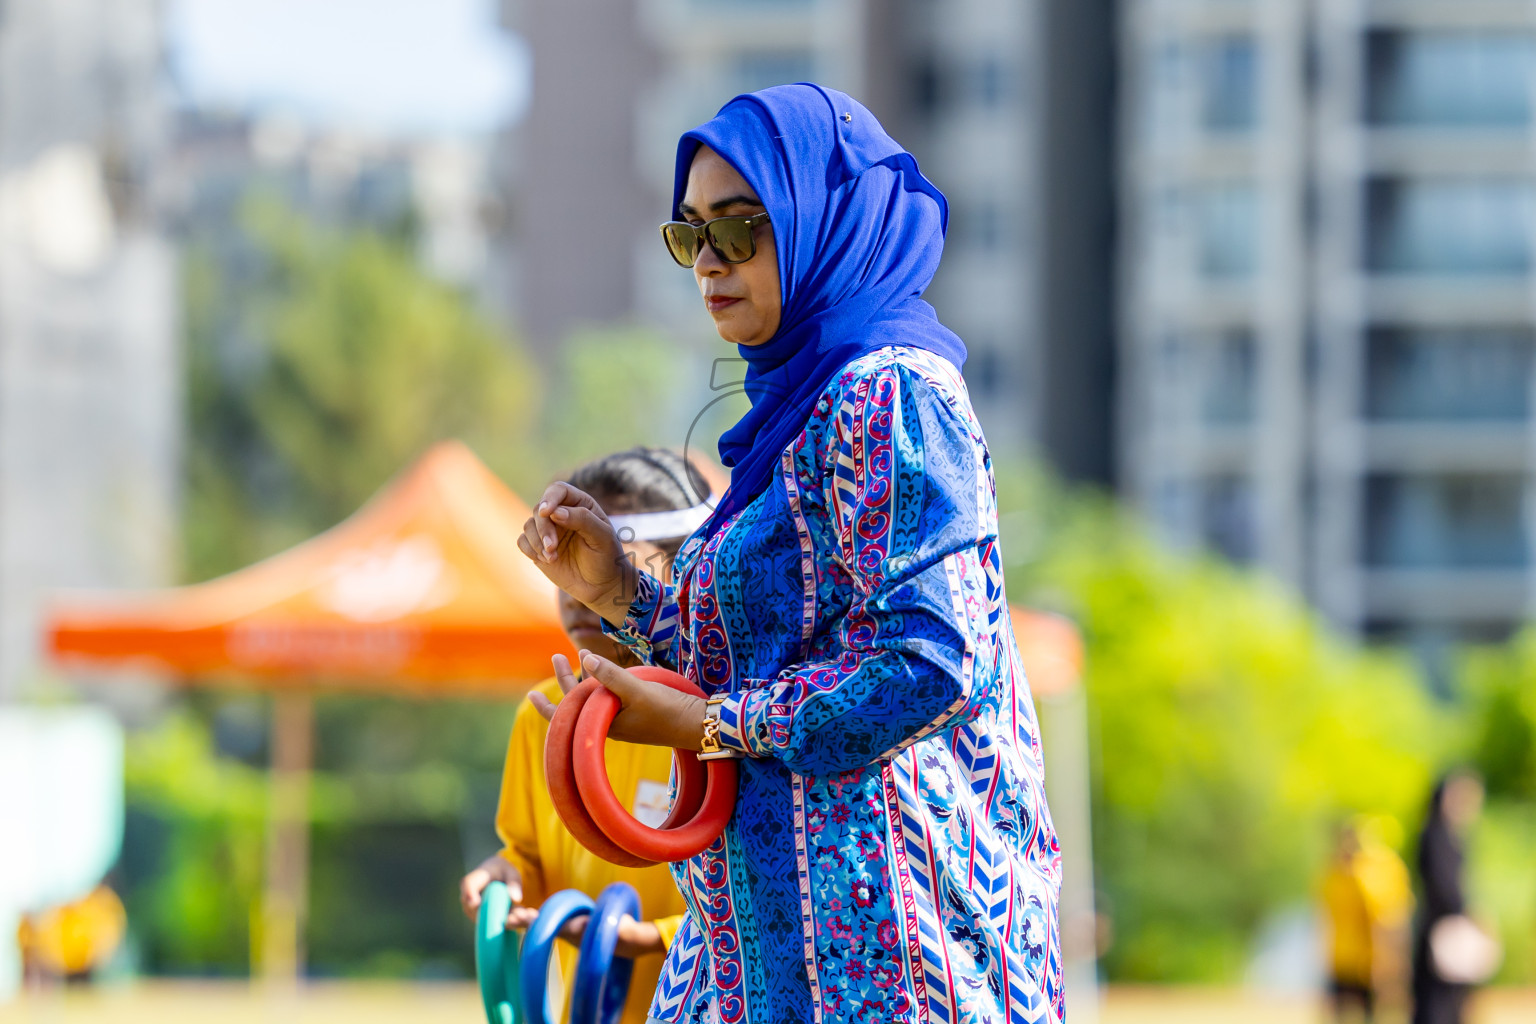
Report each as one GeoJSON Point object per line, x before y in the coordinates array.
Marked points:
{"type": "Point", "coordinates": [579, 787]}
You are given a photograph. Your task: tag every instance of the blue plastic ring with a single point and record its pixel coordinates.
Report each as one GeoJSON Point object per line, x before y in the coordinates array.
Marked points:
{"type": "Point", "coordinates": [496, 957]}
{"type": "Point", "coordinates": [602, 980]}
{"type": "Point", "coordinates": [539, 943]}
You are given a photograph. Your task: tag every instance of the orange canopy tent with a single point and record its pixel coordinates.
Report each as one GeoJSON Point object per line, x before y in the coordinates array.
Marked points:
{"type": "Point", "coordinates": [423, 588]}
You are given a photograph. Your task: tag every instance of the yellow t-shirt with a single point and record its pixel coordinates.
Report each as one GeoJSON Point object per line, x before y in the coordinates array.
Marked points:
{"type": "Point", "coordinates": [1370, 893]}
{"type": "Point", "coordinates": [550, 859]}
{"type": "Point", "coordinates": [1349, 919]}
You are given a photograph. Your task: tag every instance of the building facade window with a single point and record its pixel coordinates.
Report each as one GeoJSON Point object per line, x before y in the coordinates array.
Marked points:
{"type": "Point", "coordinates": [1229, 380]}
{"type": "Point", "coordinates": [1445, 521]}
{"type": "Point", "coordinates": [1449, 78]}
{"type": "Point", "coordinates": [990, 82]}
{"type": "Point", "coordinates": [1227, 220]}
{"type": "Point", "coordinates": [977, 226]}
{"type": "Point", "coordinates": [1449, 226]}
{"type": "Point", "coordinates": [1226, 516]}
{"type": "Point", "coordinates": [1159, 96]}
{"type": "Point", "coordinates": [1229, 84]}
{"type": "Point", "coordinates": [1469, 374]}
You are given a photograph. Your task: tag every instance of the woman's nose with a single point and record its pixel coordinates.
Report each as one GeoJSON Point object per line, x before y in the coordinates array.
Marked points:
{"type": "Point", "coordinates": [709, 264]}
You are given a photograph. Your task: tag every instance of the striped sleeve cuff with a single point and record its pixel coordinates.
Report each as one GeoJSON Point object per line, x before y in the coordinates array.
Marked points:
{"type": "Point", "coordinates": [746, 724]}
{"type": "Point", "coordinates": [636, 631]}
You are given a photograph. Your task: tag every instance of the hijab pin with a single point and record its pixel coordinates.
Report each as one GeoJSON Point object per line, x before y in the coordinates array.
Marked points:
{"type": "Point", "coordinates": [848, 119]}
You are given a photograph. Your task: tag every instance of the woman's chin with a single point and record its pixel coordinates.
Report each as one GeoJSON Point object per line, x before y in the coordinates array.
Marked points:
{"type": "Point", "coordinates": [732, 331]}
{"type": "Point", "coordinates": [738, 338]}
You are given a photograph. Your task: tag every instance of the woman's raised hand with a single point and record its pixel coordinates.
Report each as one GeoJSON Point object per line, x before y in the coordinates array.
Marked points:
{"type": "Point", "coordinates": [571, 541]}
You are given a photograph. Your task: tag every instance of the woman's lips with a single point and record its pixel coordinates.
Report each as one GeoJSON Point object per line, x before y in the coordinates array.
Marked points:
{"type": "Point", "coordinates": [718, 302]}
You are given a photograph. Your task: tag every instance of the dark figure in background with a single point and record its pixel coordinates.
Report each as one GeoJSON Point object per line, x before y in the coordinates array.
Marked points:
{"type": "Point", "coordinates": [1455, 805]}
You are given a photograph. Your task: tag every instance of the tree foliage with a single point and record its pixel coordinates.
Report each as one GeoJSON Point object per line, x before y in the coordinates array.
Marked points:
{"type": "Point", "coordinates": [1231, 730]}
{"type": "Point", "coordinates": [1500, 682]}
{"type": "Point", "coordinates": [320, 363]}
{"type": "Point", "coordinates": [321, 369]}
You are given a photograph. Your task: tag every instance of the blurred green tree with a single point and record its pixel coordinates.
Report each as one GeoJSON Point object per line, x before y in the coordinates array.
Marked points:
{"type": "Point", "coordinates": [191, 866]}
{"type": "Point", "coordinates": [1497, 686]}
{"type": "Point", "coordinates": [1231, 729]}
{"type": "Point", "coordinates": [320, 363]}
{"type": "Point", "coordinates": [1500, 685]}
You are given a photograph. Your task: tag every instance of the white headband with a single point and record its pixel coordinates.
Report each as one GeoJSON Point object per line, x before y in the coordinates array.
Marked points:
{"type": "Point", "coordinates": [662, 525]}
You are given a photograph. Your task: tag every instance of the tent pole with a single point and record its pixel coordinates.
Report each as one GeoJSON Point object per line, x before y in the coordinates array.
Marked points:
{"type": "Point", "coordinates": [280, 936]}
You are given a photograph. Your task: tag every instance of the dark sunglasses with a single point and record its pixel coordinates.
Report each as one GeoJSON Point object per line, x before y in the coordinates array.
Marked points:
{"type": "Point", "coordinates": [730, 237]}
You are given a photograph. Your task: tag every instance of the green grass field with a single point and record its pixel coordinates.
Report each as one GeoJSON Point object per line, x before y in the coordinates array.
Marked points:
{"type": "Point", "coordinates": [171, 1002]}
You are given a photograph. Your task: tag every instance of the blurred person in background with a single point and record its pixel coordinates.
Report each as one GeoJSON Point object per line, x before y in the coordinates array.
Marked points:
{"type": "Point", "coordinates": [1367, 898]}
{"type": "Point", "coordinates": [73, 942]}
{"type": "Point", "coordinates": [1451, 953]}
{"type": "Point", "coordinates": [890, 856]}
{"type": "Point", "coordinates": [656, 498]}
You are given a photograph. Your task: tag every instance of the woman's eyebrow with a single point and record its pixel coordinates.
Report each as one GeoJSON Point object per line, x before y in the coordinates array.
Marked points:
{"type": "Point", "coordinates": [724, 204]}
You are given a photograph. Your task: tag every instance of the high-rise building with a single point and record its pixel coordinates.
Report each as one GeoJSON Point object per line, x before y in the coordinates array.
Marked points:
{"type": "Point", "coordinates": [89, 377]}
{"type": "Point", "coordinates": [1327, 322]}
{"type": "Point", "coordinates": [615, 82]}
{"type": "Point", "coordinates": [433, 192]}
{"type": "Point", "coordinates": [963, 84]}
{"type": "Point", "coordinates": [960, 84]}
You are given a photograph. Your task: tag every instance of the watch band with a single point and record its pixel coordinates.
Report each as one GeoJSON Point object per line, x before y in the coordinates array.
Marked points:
{"type": "Point", "coordinates": [711, 749]}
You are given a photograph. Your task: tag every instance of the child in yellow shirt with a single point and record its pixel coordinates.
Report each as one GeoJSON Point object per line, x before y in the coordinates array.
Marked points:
{"type": "Point", "coordinates": [655, 497]}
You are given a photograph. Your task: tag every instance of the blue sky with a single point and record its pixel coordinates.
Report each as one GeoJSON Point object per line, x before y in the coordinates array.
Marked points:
{"type": "Point", "coordinates": [416, 66]}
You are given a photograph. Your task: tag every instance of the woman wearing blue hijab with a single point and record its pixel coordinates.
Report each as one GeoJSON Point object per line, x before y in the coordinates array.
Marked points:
{"type": "Point", "coordinates": [891, 857]}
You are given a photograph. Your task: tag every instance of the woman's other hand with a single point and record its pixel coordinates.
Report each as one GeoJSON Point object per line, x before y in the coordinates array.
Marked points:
{"type": "Point", "coordinates": [652, 713]}
{"type": "Point", "coordinates": [571, 541]}
{"type": "Point", "coordinates": [495, 868]}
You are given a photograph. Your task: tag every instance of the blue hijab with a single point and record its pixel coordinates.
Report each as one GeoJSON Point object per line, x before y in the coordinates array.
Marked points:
{"type": "Point", "coordinates": [859, 232]}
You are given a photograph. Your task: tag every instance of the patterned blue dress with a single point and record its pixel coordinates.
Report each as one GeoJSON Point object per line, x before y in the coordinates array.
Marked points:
{"type": "Point", "coordinates": [891, 857]}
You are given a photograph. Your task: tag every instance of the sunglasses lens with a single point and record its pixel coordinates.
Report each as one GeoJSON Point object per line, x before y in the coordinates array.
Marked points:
{"type": "Point", "coordinates": [682, 242]}
{"type": "Point", "coordinates": [732, 239]}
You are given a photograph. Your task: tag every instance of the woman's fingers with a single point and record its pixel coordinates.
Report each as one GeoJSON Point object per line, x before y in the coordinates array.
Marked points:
{"type": "Point", "coordinates": [531, 542]}
{"type": "Point", "coordinates": [559, 503]}
{"type": "Point", "coordinates": [610, 675]}
{"type": "Point", "coordinates": [587, 523]}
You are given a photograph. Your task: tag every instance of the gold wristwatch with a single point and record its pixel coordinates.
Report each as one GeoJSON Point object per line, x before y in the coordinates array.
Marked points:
{"type": "Point", "coordinates": [710, 749]}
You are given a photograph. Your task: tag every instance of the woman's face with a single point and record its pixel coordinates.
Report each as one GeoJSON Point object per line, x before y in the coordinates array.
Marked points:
{"type": "Point", "coordinates": [583, 626]}
{"type": "Point", "coordinates": [743, 298]}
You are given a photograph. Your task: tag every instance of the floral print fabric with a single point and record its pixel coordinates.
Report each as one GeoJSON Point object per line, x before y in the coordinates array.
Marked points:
{"type": "Point", "coordinates": [891, 857]}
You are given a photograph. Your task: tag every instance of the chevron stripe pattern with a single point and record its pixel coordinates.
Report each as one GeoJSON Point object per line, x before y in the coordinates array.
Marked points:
{"type": "Point", "coordinates": [683, 975]}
